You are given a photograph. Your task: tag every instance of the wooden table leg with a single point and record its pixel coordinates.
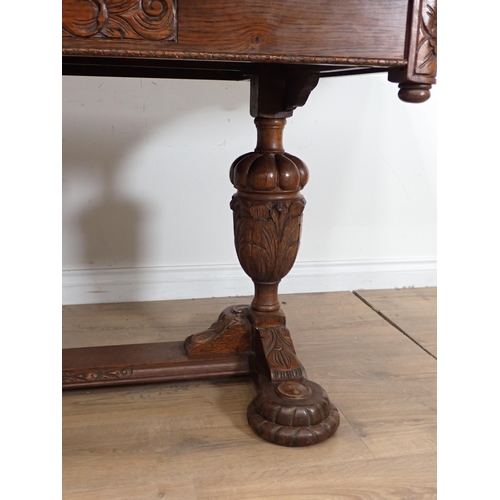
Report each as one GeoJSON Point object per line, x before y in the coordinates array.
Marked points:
{"type": "Point", "coordinates": [289, 409]}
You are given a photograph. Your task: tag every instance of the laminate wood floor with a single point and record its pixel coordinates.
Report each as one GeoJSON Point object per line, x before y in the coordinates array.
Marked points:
{"type": "Point", "coordinates": [190, 440]}
{"type": "Point", "coordinates": [412, 310]}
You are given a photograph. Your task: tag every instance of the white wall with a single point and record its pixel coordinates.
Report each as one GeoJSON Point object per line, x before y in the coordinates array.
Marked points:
{"type": "Point", "coordinates": [145, 185]}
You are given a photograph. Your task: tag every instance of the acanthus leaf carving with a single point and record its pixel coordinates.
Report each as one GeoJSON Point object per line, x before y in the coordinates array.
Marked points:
{"type": "Point", "coordinates": [426, 52]}
{"type": "Point", "coordinates": [280, 353]}
{"type": "Point", "coordinates": [267, 236]}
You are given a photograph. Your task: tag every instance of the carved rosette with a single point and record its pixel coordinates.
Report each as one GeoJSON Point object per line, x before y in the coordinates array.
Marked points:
{"type": "Point", "coordinates": [121, 19]}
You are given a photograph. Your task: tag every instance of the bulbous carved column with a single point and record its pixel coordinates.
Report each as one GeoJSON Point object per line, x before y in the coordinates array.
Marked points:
{"type": "Point", "coordinates": [289, 409]}
{"type": "Point", "coordinates": [268, 211]}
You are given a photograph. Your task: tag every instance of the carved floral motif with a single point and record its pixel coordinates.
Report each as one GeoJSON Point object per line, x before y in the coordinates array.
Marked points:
{"type": "Point", "coordinates": [267, 236]}
{"type": "Point", "coordinates": [416, 79]}
{"type": "Point", "coordinates": [426, 53]}
{"type": "Point", "coordinates": [120, 19]}
{"type": "Point", "coordinates": [90, 376]}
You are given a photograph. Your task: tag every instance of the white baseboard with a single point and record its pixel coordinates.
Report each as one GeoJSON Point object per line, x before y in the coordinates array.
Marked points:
{"type": "Point", "coordinates": [190, 282]}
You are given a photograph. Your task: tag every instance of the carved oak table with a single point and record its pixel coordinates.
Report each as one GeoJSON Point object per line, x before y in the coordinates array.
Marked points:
{"type": "Point", "coordinates": [283, 47]}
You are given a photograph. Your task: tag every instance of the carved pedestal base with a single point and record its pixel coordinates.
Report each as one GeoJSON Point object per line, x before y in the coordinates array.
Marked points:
{"type": "Point", "coordinates": [293, 413]}
{"type": "Point", "coordinates": [289, 409]}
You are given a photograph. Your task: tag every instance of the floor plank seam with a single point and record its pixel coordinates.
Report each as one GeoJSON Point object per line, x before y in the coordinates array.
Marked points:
{"type": "Point", "coordinates": [357, 434]}
{"type": "Point", "coordinates": [384, 317]}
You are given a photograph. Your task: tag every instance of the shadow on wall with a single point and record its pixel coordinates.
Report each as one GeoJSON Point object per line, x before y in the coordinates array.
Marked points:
{"type": "Point", "coordinates": [104, 122]}
{"type": "Point", "coordinates": [110, 227]}
{"type": "Point", "coordinates": [145, 172]}
{"type": "Point", "coordinates": [106, 224]}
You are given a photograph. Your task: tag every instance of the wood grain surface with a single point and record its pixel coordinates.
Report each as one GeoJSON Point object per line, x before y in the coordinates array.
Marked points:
{"type": "Point", "coordinates": [239, 30]}
{"type": "Point", "coordinates": [190, 440]}
{"type": "Point", "coordinates": [404, 308]}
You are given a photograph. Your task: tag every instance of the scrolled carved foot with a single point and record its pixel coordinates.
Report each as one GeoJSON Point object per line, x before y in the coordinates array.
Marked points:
{"type": "Point", "coordinates": [293, 413]}
{"type": "Point", "coordinates": [231, 333]}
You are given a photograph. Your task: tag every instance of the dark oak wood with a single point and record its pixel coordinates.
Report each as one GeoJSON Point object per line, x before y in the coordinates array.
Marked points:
{"type": "Point", "coordinates": [154, 20]}
{"type": "Point", "coordinates": [416, 78]}
{"type": "Point", "coordinates": [231, 333]}
{"type": "Point", "coordinates": [336, 37]}
{"type": "Point", "coordinates": [250, 30]}
{"type": "Point", "coordinates": [283, 47]}
{"type": "Point", "coordinates": [86, 367]}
